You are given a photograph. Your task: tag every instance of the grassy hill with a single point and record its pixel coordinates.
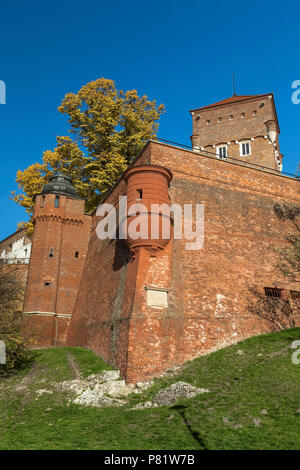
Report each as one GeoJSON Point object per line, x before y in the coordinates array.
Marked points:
{"type": "Point", "coordinates": [254, 403]}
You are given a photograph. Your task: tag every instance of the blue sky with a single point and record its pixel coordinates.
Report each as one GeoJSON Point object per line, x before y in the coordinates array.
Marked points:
{"type": "Point", "coordinates": [180, 53]}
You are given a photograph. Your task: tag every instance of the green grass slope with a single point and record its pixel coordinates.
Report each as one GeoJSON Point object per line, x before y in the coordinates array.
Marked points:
{"type": "Point", "coordinates": [254, 403]}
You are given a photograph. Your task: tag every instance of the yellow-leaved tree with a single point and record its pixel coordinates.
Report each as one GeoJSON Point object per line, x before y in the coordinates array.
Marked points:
{"type": "Point", "coordinates": [109, 127]}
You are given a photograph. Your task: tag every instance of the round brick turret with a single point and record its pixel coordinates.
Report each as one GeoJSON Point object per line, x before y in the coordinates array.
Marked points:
{"type": "Point", "coordinates": [147, 188]}
{"type": "Point", "coordinates": [59, 246]}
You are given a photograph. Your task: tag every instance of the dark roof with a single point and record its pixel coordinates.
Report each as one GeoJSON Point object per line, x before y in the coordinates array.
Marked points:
{"type": "Point", "coordinates": [232, 99]}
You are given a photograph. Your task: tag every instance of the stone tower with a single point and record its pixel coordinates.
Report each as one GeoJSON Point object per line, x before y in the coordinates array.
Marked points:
{"type": "Point", "coordinates": [241, 127]}
{"type": "Point", "coordinates": [59, 245]}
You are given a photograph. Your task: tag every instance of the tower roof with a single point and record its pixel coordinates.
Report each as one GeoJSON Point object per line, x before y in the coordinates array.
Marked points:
{"type": "Point", "coordinates": [60, 184]}
{"type": "Point", "coordinates": [232, 99]}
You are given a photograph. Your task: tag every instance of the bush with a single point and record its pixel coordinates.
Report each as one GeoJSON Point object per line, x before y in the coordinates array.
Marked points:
{"type": "Point", "coordinates": [11, 294]}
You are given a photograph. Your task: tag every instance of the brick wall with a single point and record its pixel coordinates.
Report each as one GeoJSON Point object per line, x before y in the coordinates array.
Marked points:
{"type": "Point", "coordinates": [45, 330]}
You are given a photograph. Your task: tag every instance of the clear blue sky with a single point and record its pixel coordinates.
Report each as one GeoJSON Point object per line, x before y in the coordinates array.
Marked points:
{"type": "Point", "coordinates": [181, 53]}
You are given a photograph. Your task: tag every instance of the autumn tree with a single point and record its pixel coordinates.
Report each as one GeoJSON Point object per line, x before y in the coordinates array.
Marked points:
{"type": "Point", "coordinates": [108, 128]}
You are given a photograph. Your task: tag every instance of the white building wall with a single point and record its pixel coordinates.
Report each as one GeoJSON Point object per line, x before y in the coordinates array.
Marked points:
{"type": "Point", "coordinates": [19, 253]}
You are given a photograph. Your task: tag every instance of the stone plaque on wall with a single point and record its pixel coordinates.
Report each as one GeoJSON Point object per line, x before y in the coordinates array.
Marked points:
{"type": "Point", "coordinates": [157, 297]}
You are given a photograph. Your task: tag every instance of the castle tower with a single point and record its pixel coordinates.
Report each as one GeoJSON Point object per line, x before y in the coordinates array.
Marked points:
{"type": "Point", "coordinates": [59, 245]}
{"type": "Point", "coordinates": [241, 127]}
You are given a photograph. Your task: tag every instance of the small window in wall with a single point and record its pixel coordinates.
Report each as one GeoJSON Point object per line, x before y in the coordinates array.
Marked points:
{"type": "Point", "coordinates": [47, 284]}
{"type": "Point", "coordinates": [273, 292]}
{"type": "Point", "coordinates": [51, 253]}
{"type": "Point", "coordinates": [245, 148]}
{"type": "Point", "coordinates": [56, 201]}
{"type": "Point", "coordinates": [295, 295]}
{"type": "Point", "coordinates": [76, 254]}
{"type": "Point", "coordinates": [139, 194]}
{"type": "Point", "coordinates": [222, 151]}
{"type": "Point", "coordinates": [43, 201]}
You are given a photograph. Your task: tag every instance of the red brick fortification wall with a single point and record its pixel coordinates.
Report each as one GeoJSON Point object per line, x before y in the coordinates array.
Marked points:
{"type": "Point", "coordinates": [210, 286]}
{"type": "Point", "coordinates": [102, 312]}
{"type": "Point", "coordinates": [207, 291]}
{"type": "Point", "coordinates": [45, 330]}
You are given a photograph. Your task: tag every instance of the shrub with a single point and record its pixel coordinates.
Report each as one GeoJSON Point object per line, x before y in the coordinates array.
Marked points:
{"type": "Point", "coordinates": [11, 294]}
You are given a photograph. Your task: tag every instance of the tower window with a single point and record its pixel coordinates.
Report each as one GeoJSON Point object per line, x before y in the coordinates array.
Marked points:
{"type": "Point", "coordinates": [51, 254]}
{"type": "Point", "coordinates": [245, 148]}
{"type": "Point", "coordinates": [243, 115]}
{"type": "Point", "coordinates": [139, 194]}
{"type": "Point", "coordinates": [231, 117]}
{"type": "Point", "coordinates": [273, 292]}
{"type": "Point", "coordinates": [43, 201]}
{"type": "Point", "coordinates": [76, 254]}
{"type": "Point", "coordinates": [47, 284]}
{"type": "Point", "coordinates": [56, 201]}
{"type": "Point", "coordinates": [222, 151]}
{"type": "Point", "coordinates": [208, 121]}
{"type": "Point", "coordinates": [219, 119]}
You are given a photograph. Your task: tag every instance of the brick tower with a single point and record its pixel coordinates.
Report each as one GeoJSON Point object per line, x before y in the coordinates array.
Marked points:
{"type": "Point", "coordinates": [241, 127]}
{"type": "Point", "coordinates": [60, 240]}
{"type": "Point", "coordinates": [148, 185]}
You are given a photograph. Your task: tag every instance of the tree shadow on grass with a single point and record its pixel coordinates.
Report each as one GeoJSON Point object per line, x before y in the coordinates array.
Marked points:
{"type": "Point", "coordinates": [181, 409]}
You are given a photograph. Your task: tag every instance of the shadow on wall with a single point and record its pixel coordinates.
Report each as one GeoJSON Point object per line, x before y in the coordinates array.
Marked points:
{"type": "Point", "coordinates": [121, 257]}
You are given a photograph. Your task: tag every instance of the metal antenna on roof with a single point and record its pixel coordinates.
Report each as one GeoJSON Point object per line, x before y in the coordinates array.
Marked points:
{"type": "Point", "coordinates": [233, 84]}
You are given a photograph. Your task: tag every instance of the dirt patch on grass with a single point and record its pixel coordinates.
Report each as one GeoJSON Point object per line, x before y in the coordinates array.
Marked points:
{"type": "Point", "coordinates": [74, 367]}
